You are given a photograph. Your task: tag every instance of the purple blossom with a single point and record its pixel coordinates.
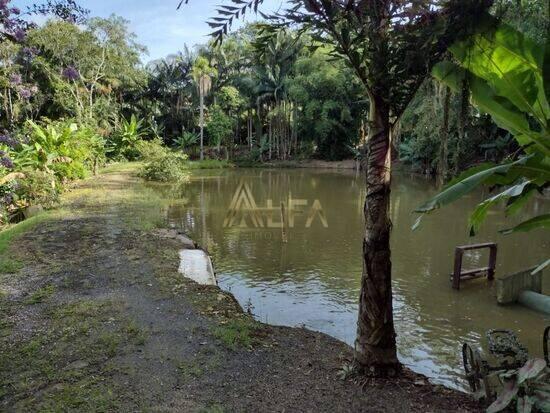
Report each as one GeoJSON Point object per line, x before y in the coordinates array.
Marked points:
{"type": "Point", "coordinates": [70, 73]}
{"type": "Point", "coordinates": [28, 53]}
{"type": "Point", "coordinates": [8, 24]}
{"type": "Point", "coordinates": [15, 10]}
{"type": "Point", "coordinates": [25, 93]}
{"type": "Point", "coordinates": [6, 162]}
{"type": "Point", "coordinates": [6, 199]}
{"type": "Point", "coordinates": [19, 34]}
{"type": "Point", "coordinates": [15, 79]}
{"type": "Point", "coordinates": [7, 140]}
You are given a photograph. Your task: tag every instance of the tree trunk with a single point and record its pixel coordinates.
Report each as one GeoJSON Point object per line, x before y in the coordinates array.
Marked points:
{"type": "Point", "coordinates": [375, 346]}
{"type": "Point", "coordinates": [202, 124]}
{"type": "Point", "coordinates": [443, 148]}
{"type": "Point", "coordinates": [462, 123]}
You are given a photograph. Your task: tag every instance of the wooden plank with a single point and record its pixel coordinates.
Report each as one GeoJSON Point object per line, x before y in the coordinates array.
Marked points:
{"type": "Point", "coordinates": [474, 271]}
{"type": "Point", "coordinates": [477, 246]}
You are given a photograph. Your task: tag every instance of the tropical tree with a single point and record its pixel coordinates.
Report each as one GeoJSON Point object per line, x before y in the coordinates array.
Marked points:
{"type": "Point", "coordinates": [167, 97]}
{"type": "Point", "coordinates": [82, 69]}
{"type": "Point", "coordinates": [202, 74]}
{"type": "Point", "coordinates": [330, 105]}
{"type": "Point", "coordinates": [220, 127]}
{"type": "Point", "coordinates": [276, 57]}
{"type": "Point", "coordinates": [391, 46]}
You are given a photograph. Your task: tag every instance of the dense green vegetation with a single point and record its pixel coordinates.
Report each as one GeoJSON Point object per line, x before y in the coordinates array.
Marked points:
{"type": "Point", "coordinates": [442, 132]}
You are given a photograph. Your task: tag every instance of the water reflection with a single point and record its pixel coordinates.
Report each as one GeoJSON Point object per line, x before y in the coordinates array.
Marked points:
{"type": "Point", "coordinates": [313, 279]}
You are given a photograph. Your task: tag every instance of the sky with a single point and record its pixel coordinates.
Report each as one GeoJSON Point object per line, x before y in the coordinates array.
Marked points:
{"type": "Point", "coordinates": [157, 24]}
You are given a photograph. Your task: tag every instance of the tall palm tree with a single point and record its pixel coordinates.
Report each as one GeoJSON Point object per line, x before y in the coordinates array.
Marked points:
{"type": "Point", "coordinates": [202, 74]}
{"type": "Point", "coordinates": [277, 58]}
{"type": "Point", "coordinates": [170, 90]}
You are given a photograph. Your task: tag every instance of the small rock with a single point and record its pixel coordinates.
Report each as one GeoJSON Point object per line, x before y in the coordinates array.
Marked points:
{"type": "Point", "coordinates": [188, 243]}
{"type": "Point", "coordinates": [77, 365]}
{"type": "Point", "coordinates": [420, 383]}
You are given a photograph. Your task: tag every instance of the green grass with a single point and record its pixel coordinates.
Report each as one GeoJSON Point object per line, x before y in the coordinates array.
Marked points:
{"type": "Point", "coordinates": [138, 335]}
{"type": "Point", "coordinates": [236, 333]}
{"type": "Point", "coordinates": [190, 369]}
{"type": "Point", "coordinates": [40, 295]}
{"type": "Point", "coordinates": [121, 167]}
{"type": "Point", "coordinates": [9, 265]}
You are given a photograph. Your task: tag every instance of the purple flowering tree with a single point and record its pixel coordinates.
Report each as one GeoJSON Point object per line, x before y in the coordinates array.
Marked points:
{"type": "Point", "coordinates": [70, 73]}
{"type": "Point", "coordinates": [19, 87]}
{"type": "Point", "coordinates": [14, 23]}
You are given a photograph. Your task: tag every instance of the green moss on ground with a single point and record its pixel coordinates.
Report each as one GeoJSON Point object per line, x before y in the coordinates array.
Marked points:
{"type": "Point", "coordinates": [238, 332]}
{"type": "Point", "coordinates": [40, 295]}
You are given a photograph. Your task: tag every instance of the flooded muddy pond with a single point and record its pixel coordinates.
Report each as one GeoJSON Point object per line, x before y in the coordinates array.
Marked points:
{"type": "Point", "coordinates": [313, 278]}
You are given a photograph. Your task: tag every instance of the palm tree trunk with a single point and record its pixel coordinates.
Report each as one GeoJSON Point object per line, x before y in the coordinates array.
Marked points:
{"type": "Point", "coordinates": [462, 123]}
{"type": "Point", "coordinates": [202, 124]}
{"type": "Point", "coordinates": [375, 346]}
{"type": "Point", "coordinates": [443, 148]}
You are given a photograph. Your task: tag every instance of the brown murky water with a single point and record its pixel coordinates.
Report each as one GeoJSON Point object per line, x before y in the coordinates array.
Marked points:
{"type": "Point", "coordinates": [313, 278]}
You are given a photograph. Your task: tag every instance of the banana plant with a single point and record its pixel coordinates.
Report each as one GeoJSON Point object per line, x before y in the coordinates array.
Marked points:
{"type": "Point", "coordinates": [185, 140]}
{"type": "Point", "coordinates": [508, 77]}
{"type": "Point", "coordinates": [126, 137]}
{"type": "Point", "coordinates": [47, 145]}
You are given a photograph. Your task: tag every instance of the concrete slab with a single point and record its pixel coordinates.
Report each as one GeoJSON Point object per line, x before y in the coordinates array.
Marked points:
{"type": "Point", "coordinates": [511, 286]}
{"type": "Point", "coordinates": [197, 266]}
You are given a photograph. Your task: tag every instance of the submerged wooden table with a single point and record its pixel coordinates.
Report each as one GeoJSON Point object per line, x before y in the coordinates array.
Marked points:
{"type": "Point", "coordinates": [458, 274]}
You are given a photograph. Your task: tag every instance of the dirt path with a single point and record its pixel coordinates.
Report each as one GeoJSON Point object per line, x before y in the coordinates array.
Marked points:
{"type": "Point", "coordinates": [95, 317]}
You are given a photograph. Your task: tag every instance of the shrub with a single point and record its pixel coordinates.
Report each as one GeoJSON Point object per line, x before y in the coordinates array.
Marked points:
{"type": "Point", "coordinates": [150, 150]}
{"type": "Point", "coordinates": [37, 187]}
{"type": "Point", "coordinates": [170, 167]}
{"type": "Point", "coordinates": [28, 188]}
